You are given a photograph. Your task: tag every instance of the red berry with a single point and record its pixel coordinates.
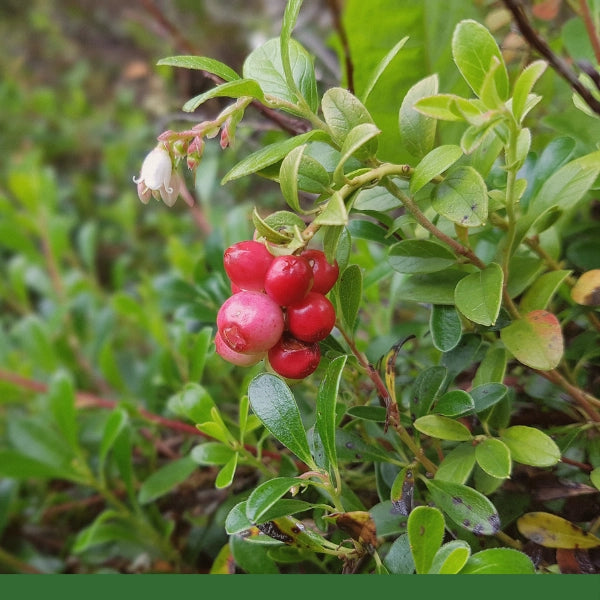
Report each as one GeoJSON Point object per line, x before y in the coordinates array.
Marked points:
{"type": "Point", "coordinates": [288, 279]}
{"type": "Point", "coordinates": [294, 359]}
{"type": "Point", "coordinates": [325, 273]}
{"type": "Point", "coordinates": [311, 319]}
{"type": "Point", "coordinates": [246, 264]}
{"type": "Point", "coordinates": [236, 358]}
{"type": "Point", "coordinates": [250, 322]}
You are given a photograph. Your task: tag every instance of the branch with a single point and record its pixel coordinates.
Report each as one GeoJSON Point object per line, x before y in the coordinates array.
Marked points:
{"type": "Point", "coordinates": [557, 63]}
{"type": "Point", "coordinates": [334, 8]}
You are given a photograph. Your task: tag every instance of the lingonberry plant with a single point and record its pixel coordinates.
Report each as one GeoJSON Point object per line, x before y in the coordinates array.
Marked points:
{"type": "Point", "coordinates": [410, 469]}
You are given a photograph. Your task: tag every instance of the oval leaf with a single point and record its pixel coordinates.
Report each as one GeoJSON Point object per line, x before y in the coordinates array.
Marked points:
{"type": "Point", "coordinates": [587, 289]}
{"type": "Point", "coordinates": [445, 327]}
{"type": "Point", "coordinates": [166, 479]}
{"type": "Point", "coordinates": [455, 403]}
{"type": "Point", "coordinates": [530, 446]}
{"type": "Point", "coordinates": [226, 474]}
{"type": "Point", "coordinates": [493, 456]}
{"type": "Point", "coordinates": [457, 464]}
{"type": "Point", "coordinates": [211, 453]}
{"type": "Point", "coordinates": [274, 404]}
{"type": "Point", "coordinates": [434, 164]}
{"type": "Point", "coordinates": [465, 506]}
{"type": "Point", "coordinates": [202, 63]}
{"type": "Point", "coordinates": [478, 296]}
{"type": "Point", "coordinates": [450, 558]}
{"type": "Point", "coordinates": [442, 428]}
{"type": "Point", "coordinates": [551, 531]}
{"type": "Point", "coordinates": [425, 530]}
{"type": "Point", "coordinates": [350, 294]}
{"type": "Point", "coordinates": [267, 494]}
{"type": "Point", "coordinates": [535, 340]}
{"type": "Point", "coordinates": [544, 287]}
{"type": "Point", "coordinates": [420, 256]}
{"type": "Point", "coordinates": [499, 561]}
{"type": "Point", "coordinates": [487, 394]}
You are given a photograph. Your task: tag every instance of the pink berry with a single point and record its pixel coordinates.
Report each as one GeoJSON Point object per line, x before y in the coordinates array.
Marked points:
{"type": "Point", "coordinates": [250, 322]}
{"type": "Point", "coordinates": [294, 359]}
{"type": "Point", "coordinates": [312, 319]}
{"type": "Point", "coordinates": [325, 273]}
{"type": "Point", "coordinates": [236, 358]}
{"type": "Point", "coordinates": [246, 264]}
{"type": "Point", "coordinates": [288, 279]}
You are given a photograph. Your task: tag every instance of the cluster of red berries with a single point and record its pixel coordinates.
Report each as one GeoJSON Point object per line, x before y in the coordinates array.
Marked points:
{"type": "Point", "coordinates": [278, 309]}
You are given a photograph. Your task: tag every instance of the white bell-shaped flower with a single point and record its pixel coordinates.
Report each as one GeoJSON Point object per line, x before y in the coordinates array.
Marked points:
{"type": "Point", "coordinates": [157, 177]}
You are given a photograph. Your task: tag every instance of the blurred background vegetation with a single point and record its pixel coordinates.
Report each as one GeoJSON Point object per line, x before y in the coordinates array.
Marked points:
{"type": "Point", "coordinates": [112, 302]}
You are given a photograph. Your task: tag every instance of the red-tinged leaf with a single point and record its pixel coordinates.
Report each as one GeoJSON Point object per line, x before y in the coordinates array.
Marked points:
{"type": "Point", "coordinates": [535, 340]}
{"type": "Point", "coordinates": [587, 289]}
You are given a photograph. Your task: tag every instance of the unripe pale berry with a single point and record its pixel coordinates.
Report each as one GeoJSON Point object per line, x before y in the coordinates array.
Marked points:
{"type": "Point", "coordinates": [250, 322]}
{"type": "Point", "coordinates": [246, 264]}
{"type": "Point", "coordinates": [325, 274]}
{"type": "Point", "coordinates": [294, 359]}
{"type": "Point", "coordinates": [288, 279]}
{"type": "Point", "coordinates": [236, 358]}
{"type": "Point", "coordinates": [311, 319]}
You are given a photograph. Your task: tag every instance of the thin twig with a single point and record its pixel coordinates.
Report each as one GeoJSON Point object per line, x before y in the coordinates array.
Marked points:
{"type": "Point", "coordinates": [589, 26]}
{"type": "Point", "coordinates": [334, 9]}
{"type": "Point", "coordinates": [557, 63]}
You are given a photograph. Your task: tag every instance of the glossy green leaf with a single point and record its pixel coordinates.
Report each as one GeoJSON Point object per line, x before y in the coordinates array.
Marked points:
{"type": "Point", "coordinates": [499, 561]}
{"type": "Point", "coordinates": [269, 155]}
{"type": "Point", "coordinates": [431, 288]}
{"type": "Point", "coordinates": [231, 89]}
{"type": "Point", "coordinates": [445, 327]}
{"type": "Point", "coordinates": [290, 16]}
{"type": "Point", "coordinates": [226, 474]}
{"type": "Point", "coordinates": [380, 69]}
{"type": "Point", "coordinates": [211, 453]}
{"type": "Point", "coordinates": [523, 86]}
{"type": "Point", "coordinates": [417, 131]}
{"type": "Point", "coordinates": [359, 142]}
{"type": "Point", "coordinates": [530, 446]}
{"type": "Point", "coordinates": [351, 448]}
{"type": "Point", "coordinates": [252, 558]}
{"type": "Point", "coordinates": [273, 403]}
{"type": "Point", "coordinates": [266, 495]}
{"type": "Point", "coordinates": [485, 483]}
{"type": "Point", "coordinates": [493, 456]}
{"type": "Point", "coordinates": [465, 506]}
{"type": "Point", "coordinates": [552, 531]}
{"type": "Point", "coordinates": [457, 464]}
{"type": "Point", "coordinates": [474, 51]}
{"type": "Point", "coordinates": [455, 403]}
{"type": "Point", "coordinates": [202, 63]}
{"type": "Point", "coordinates": [264, 64]}
{"type": "Point", "coordinates": [450, 558]}
{"type": "Point", "coordinates": [288, 177]}
{"type": "Point", "coordinates": [368, 413]}
{"type": "Point", "coordinates": [462, 197]}
{"type": "Point", "coordinates": [433, 164]}
{"type": "Point", "coordinates": [478, 296]}
{"type": "Point", "coordinates": [236, 520]}
{"type": "Point", "coordinates": [166, 479]}
{"type": "Point", "coordinates": [426, 388]}
{"type": "Point", "coordinates": [535, 340]}
{"type": "Point", "coordinates": [425, 530]}
{"type": "Point", "coordinates": [326, 402]}
{"type": "Point", "coordinates": [420, 256]}
{"type": "Point", "coordinates": [442, 428]}
{"type": "Point", "coordinates": [350, 294]}
{"type": "Point", "coordinates": [487, 395]}
{"type": "Point", "coordinates": [492, 368]}
{"type": "Point", "coordinates": [538, 296]}
{"type": "Point", "coordinates": [193, 402]}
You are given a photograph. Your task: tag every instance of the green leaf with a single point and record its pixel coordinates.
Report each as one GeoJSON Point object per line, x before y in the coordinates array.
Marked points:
{"type": "Point", "coordinates": [264, 64]}
{"type": "Point", "coordinates": [198, 354]}
{"type": "Point", "coordinates": [368, 413]}
{"type": "Point", "coordinates": [450, 558]}
{"type": "Point", "coordinates": [288, 177]}
{"type": "Point", "coordinates": [530, 446]}
{"type": "Point", "coordinates": [349, 289]}
{"type": "Point", "coordinates": [455, 403]}
{"type": "Point", "coordinates": [266, 495]}
{"type": "Point", "coordinates": [431, 288]}
{"type": "Point", "coordinates": [273, 403]}
{"type": "Point", "coordinates": [211, 453]}
{"type": "Point", "coordinates": [442, 428]}
{"type": "Point", "coordinates": [493, 456]}
{"type": "Point", "coordinates": [538, 296]}
{"type": "Point", "coordinates": [109, 526]}
{"type": "Point", "coordinates": [343, 112]}
{"type": "Point", "coordinates": [15, 465]}
{"type": "Point", "coordinates": [359, 142]}
{"type": "Point", "coordinates": [425, 530]}
{"type": "Point", "coordinates": [433, 164]}
{"type": "Point", "coordinates": [193, 402]}
{"type": "Point", "coordinates": [478, 296]}
{"type": "Point", "coordinates": [231, 89]}
{"type": "Point", "coordinates": [595, 477]}
{"type": "Point", "coordinates": [399, 560]}
{"type": "Point", "coordinates": [312, 176]}
{"type": "Point", "coordinates": [202, 63]}
{"type": "Point", "coordinates": [375, 199]}
{"type": "Point", "coordinates": [402, 491]}
{"type": "Point", "coordinates": [252, 558]}
{"type": "Point", "coordinates": [166, 479]}
{"type": "Point", "coordinates": [523, 86]}
{"type": "Point", "coordinates": [115, 424]}
{"type": "Point", "coordinates": [474, 51]}
{"type": "Point", "coordinates": [499, 561]}
{"type": "Point", "coordinates": [380, 69]}
{"type": "Point", "coordinates": [326, 401]}
{"type": "Point", "coordinates": [269, 155]}
{"type": "Point", "coordinates": [420, 256]}
{"type": "Point", "coordinates": [290, 17]}
{"type": "Point", "coordinates": [465, 506]}
{"type": "Point", "coordinates": [417, 131]}
{"type": "Point", "coordinates": [449, 107]}
{"type": "Point", "coordinates": [445, 327]}
{"type": "Point", "coordinates": [226, 474]}
{"type": "Point", "coordinates": [236, 520]}
{"type": "Point", "coordinates": [457, 464]}
{"type": "Point", "coordinates": [462, 197]}
{"type": "Point", "coordinates": [487, 395]}
{"type": "Point", "coordinates": [492, 368]}
{"type": "Point", "coordinates": [61, 396]}
{"type": "Point", "coordinates": [535, 340]}
{"type": "Point", "coordinates": [334, 213]}
{"type": "Point", "coordinates": [426, 387]}
{"type": "Point", "coordinates": [552, 531]}
{"type": "Point", "coordinates": [351, 448]}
